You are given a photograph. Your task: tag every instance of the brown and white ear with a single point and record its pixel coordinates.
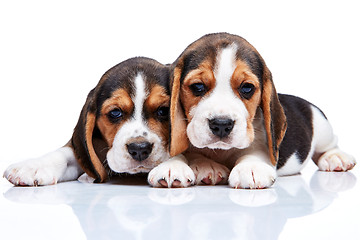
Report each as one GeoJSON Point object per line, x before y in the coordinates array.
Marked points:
{"type": "Point", "coordinates": [274, 116]}
{"type": "Point", "coordinates": [82, 142]}
{"type": "Point", "coordinates": [179, 141]}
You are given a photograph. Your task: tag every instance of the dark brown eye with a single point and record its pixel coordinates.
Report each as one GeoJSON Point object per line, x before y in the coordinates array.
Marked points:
{"type": "Point", "coordinates": [162, 113]}
{"type": "Point", "coordinates": [115, 115]}
{"type": "Point", "coordinates": [198, 89]}
{"type": "Point", "coordinates": [246, 90]}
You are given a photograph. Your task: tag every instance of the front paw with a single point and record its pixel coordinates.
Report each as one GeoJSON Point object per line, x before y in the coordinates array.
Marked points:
{"type": "Point", "coordinates": [30, 173]}
{"type": "Point", "coordinates": [172, 173]}
{"type": "Point", "coordinates": [209, 172]}
{"type": "Point", "coordinates": [253, 175]}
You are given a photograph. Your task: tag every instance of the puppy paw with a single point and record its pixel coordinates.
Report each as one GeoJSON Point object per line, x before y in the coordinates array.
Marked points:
{"type": "Point", "coordinates": [253, 175]}
{"type": "Point", "coordinates": [209, 172]}
{"type": "Point", "coordinates": [32, 173]}
{"type": "Point", "coordinates": [172, 173]}
{"type": "Point", "coordinates": [336, 160]}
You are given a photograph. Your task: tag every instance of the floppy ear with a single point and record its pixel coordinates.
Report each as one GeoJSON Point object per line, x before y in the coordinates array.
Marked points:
{"type": "Point", "coordinates": [179, 141]}
{"type": "Point", "coordinates": [82, 141]}
{"type": "Point", "coordinates": [274, 116]}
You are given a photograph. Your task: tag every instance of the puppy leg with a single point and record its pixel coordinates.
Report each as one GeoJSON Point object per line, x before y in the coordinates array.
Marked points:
{"type": "Point", "coordinates": [174, 172]}
{"type": "Point", "coordinates": [252, 171]}
{"type": "Point", "coordinates": [207, 171]}
{"type": "Point", "coordinates": [327, 156]}
{"type": "Point", "coordinates": [57, 166]}
{"type": "Point", "coordinates": [336, 160]}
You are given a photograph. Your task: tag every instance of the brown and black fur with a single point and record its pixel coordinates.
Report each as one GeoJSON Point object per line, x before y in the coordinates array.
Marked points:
{"type": "Point", "coordinates": [91, 157]}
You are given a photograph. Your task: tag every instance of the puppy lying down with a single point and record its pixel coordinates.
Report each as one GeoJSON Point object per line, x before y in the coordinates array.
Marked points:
{"type": "Point", "coordinates": [226, 114]}
{"type": "Point", "coordinates": [123, 128]}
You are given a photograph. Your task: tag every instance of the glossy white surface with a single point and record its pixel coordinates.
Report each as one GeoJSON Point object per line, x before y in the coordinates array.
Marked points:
{"type": "Point", "coordinates": [314, 205]}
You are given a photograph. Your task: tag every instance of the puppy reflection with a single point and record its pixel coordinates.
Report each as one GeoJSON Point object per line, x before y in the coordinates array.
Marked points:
{"type": "Point", "coordinates": [198, 212]}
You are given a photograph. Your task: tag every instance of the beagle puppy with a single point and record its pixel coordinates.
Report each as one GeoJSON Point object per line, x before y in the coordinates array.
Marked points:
{"type": "Point", "coordinates": [123, 128]}
{"type": "Point", "coordinates": [225, 114]}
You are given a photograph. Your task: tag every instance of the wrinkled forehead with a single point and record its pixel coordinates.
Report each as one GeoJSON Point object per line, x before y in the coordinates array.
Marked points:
{"type": "Point", "coordinates": [209, 47]}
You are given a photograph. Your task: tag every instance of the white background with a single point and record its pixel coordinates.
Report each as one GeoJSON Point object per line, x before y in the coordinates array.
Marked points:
{"type": "Point", "coordinates": [52, 53]}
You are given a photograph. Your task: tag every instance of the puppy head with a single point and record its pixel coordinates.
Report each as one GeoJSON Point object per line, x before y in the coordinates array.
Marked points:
{"type": "Point", "coordinates": [218, 84]}
{"type": "Point", "coordinates": [125, 120]}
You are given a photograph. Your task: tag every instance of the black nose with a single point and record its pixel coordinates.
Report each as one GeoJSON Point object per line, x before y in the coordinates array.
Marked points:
{"type": "Point", "coordinates": [140, 151]}
{"type": "Point", "coordinates": [221, 127]}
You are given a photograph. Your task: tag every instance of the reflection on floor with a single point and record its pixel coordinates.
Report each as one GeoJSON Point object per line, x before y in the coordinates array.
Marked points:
{"type": "Point", "coordinates": [129, 208]}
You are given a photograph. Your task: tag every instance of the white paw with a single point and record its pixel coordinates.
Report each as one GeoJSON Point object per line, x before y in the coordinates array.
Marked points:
{"type": "Point", "coordinates": [209, 172]}
{"type": "Point", "coordinates": [84, 178]}
{"type": "Point", "coordinates": [253, 175]}
{"type": "Point", "coordinates": [34, 172]}
{"type": "Point", "coordinates": [172, 173]}
{"type": "Point", "coordinates": [336, 160]}
{"type": "Point", "coordinates": [59, 165]}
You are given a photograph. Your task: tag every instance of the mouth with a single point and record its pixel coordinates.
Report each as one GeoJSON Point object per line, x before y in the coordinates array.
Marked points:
{"type": "Point", "coordinates": [225, 143]}
{"type": "Point", "coordinates": [219, 145]}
